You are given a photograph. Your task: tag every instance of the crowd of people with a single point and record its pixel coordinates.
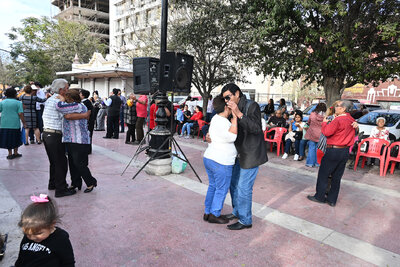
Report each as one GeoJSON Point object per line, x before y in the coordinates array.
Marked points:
{"type": "Point", "coordinates": [236, 148]}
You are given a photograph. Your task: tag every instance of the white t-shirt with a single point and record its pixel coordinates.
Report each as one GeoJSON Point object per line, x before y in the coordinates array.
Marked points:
{"type": "Point", "coordinates": [222, 148]}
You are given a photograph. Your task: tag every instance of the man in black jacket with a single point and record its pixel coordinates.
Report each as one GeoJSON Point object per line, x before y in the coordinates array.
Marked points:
{"type": "Point", "coordinates": [114, 105]}
{"type": "Point", "coordinates": [252, 152]}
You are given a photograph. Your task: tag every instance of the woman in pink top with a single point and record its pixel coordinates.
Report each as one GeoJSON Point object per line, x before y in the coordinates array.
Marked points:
{"type": "Point", "coordinates": [313, 133]}
{"type": "Point", "coordinates": [141, 110]}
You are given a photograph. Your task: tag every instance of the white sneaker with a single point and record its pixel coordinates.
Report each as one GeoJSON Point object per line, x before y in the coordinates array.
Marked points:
{"type": "Point", "coordinates": [296, 157]}
{"type": "Point", "coordinates": [187, 136]}
{"type": "Point", "coordinates": [285, 156]}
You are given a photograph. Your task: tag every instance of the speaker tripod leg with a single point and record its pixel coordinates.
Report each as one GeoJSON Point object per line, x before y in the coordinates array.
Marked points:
{"type": "Point", "coordinates": [138, 151]}
{"type": "Point", "coordinates": [186, 159]}
{"type": "Point", "coordinates": [153, 157]}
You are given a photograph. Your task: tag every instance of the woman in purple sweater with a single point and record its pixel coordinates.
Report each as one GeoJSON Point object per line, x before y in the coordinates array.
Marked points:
{"type": "Point", "coordinates": [77, 140]}
{"type": "Point", "coordinates": [313, 133]}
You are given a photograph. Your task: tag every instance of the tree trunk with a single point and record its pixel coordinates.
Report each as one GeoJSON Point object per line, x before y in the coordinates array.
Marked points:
{"type": "Point", "coordinates": [332, 88]}
{"type": "Point", "coordinates": [205, 103]}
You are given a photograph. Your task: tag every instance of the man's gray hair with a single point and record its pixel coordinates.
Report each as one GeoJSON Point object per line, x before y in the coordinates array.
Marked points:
{"type": "Point", "coordinates": [58, 84]}
{"type": "Point", "coordinates": [348, 105]}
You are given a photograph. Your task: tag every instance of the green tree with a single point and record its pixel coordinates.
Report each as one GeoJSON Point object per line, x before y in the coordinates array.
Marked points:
{"type": "Point", "coordinates": [335, 43]}
{"type": "Point", "coordinates": [207, 34]}
{"type": "Point", "coordinates": [43, 46]}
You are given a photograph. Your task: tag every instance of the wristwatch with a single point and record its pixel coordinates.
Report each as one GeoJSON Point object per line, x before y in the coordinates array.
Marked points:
{"type": "Point", "coordinates": [241, 117]}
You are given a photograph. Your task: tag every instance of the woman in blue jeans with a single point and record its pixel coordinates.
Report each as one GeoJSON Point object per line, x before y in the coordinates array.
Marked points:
{"type": "Point", "coordinates": [219, 159]}
{"type": "Point", "coordinates": [313, 133]}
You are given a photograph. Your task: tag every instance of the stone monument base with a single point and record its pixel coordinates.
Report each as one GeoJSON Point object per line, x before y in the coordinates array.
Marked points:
{"type": "Point", "coordinates": [159, 167]}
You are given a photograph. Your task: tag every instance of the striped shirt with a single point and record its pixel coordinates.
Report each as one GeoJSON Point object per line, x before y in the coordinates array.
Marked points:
{"type": "Point", "coordinates": [52, 119]}
{"type": "Point", "coordinates": [74, 131]}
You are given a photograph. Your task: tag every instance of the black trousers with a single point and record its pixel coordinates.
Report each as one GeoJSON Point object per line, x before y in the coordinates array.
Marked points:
{"type": "Point", "coordinates": [333, 163]}
{"type": "Point", "coordinates": [78, 164]}
{"type": "Point", "coordinates": [55, 150]}
{"type": "Point", "coordinates": [91, 141]}
{"type": "Point", "coordinates": [112, 126]}
{"type": "Point", "coordinates": [139, 129]}
{"type": "Point", "coordinates": [130, 134]}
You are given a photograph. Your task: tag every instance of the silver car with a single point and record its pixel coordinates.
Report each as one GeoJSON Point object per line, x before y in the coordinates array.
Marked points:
{"type": "Point", "coordinates": [368, 122]}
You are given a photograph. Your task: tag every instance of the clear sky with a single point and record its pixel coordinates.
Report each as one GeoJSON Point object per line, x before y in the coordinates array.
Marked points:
{"type": "Point", "coordinates": [13, 11]}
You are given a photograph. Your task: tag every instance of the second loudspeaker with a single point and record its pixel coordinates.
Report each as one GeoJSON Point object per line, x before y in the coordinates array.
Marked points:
{"type": "Point", "coordinates": [176, 72]}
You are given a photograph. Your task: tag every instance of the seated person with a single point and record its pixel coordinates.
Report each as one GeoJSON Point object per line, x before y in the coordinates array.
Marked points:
{"type": "Point", "coordinates": [277, 120]}
{"type": "Point", "coordinates": [198, 115]}
{"type": "Point", "coordinates": [294, 135]}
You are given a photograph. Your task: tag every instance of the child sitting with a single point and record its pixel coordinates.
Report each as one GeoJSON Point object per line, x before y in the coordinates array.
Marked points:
{"type": "Point", "coordinates": [43, 243]}
{"type": "Point", "coordinates": [380, 131]}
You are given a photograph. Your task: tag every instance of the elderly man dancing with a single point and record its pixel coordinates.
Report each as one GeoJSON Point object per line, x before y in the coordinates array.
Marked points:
{"type": "Point", "coordinates": [52, 136]}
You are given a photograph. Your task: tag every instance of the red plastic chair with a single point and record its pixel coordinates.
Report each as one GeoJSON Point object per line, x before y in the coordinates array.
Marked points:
{"type": "Point", "coordinates": [279, 131]}
{"type": "Point", "coordinates": [374, 151]}
{"type": "Point", "coordinates": [201, 124]}
{"type": "Point", "coordinates": [390, 158]}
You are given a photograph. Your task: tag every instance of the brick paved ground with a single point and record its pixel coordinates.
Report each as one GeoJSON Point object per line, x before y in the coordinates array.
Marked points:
{"type": "Point", "coordinates": [157, 221]}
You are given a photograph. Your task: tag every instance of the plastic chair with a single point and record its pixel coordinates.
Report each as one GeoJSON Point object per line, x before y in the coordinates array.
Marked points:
{"type": "Point", "coordinates": [201, 124]}
{"type": "Point", "coordinates": [374, 151]}
{"type": "Point", "coordinates": [279, 131]}
{"type": "Point", "coordinates": [390, 158]}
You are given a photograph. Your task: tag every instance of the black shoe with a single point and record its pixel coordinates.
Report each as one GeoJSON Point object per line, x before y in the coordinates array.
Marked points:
{"type": "Point", "coordinates": [27, 144]}
{"type": "Point", "coordinates": [213, 219]}
{"type": "Point", "coordinates": [205, 217]}
{"type": "Point", "coordinates": [135, 142]}
{"type": "Point", "coordinates": [331, 204]}
{"type": "Point", "coordinates": [121, 131]}
{"type": "Point", "coordinates": [106, 137]}
{"type": "Point", "coordinates": [66, 192]}
{"type": "Point", "coordinates": [238, 226]}
{"type": "Point", "coordinates": [89, 189]}
{"type": "Point", "coordinates": [128, 143]}
{"type": "Point", "coordinates": [73, 187]}
{"type": "Point", "coordinates": [312, 198]}
{"type": "Point", "coordinates": [115, 137]}
{"type": "Point", "coordinates": [51, 187]}
{"type": "Point", "coordinates": [229, 216]}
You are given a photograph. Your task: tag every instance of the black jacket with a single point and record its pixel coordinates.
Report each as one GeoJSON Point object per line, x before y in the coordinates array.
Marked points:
{"type": "Point", "coordinates": [130, 114]}
{"type": "Point", "coordinates": [92, 117]}
{"type": "Point", "coordinates": [269, 109]}
{"type": "Point", "coordinates": [250, 143]}
{"type": "Point", "coordinates": [114, 108]}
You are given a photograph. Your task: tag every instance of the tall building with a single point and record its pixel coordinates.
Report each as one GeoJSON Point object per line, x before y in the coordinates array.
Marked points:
{"type": "Point", "coordinates": [134, 27]}
{"type": "Point", "coordinates": [94, 13]}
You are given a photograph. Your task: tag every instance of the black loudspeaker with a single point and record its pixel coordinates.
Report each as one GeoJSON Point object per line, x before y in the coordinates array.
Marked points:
{"type": "Point", "coordinates": [176, 72]}
{"type": "Point", "coordinates": [145, 75]}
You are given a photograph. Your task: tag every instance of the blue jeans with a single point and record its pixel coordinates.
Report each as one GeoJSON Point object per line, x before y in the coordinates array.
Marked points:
{"type": "Point", "coordinates": [312, 154]}
{"type": "Point", "coordinates": [186, 127]}
{"type": "Point", "coordinates": [219, 179]}
{"type": "Point", "coordinates": [242, 192]}
{"type": "Point", "coordinates": [303, 143]}
{"type": "Point", "coordinates": [288, 145]}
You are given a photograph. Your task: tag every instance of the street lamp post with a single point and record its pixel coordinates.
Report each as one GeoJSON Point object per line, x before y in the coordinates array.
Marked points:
{"type": "Point", "coordinates": [161, 132]}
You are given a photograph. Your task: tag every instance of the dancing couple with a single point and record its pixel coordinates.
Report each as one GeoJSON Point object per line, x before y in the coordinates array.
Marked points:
{"type": "Point", "coordinates": [236, 149]}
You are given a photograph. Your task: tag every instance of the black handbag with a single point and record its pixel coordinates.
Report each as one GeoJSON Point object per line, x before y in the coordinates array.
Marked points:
{"type": "Point", "coordinates": [298, 135]}
{"type": "Point", "coordinates": [394, 152]}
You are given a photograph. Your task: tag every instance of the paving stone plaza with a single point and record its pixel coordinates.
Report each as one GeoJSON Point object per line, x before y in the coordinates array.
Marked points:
{"type": "Point", "coordinates": [157, 221]}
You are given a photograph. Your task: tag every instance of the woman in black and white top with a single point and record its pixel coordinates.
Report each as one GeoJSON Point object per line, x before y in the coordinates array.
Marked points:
{"type": "Point", "coordinates": [29, 104]}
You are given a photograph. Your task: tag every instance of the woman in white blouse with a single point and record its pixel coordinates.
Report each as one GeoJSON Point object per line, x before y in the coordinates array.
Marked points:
{"type": "Point", "coordinates": [219, 159]}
